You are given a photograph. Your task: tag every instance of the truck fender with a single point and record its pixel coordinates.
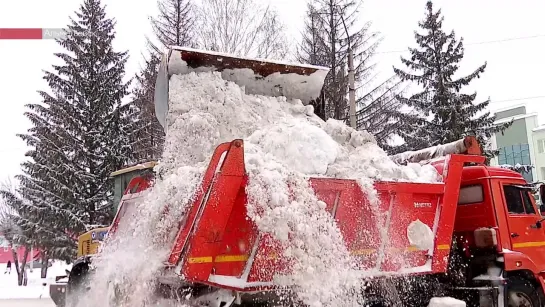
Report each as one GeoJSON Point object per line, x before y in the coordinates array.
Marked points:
{"type": "Point", "coordinates": [515, 261]}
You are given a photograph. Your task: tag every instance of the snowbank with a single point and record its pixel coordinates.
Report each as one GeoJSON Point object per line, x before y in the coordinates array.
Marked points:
{"type": "Point", "coordinates": [285, 143]}
{"type": "Point", "coordinates": [446, 302]}
{"type": "Point", "coordinates": [36, 288]}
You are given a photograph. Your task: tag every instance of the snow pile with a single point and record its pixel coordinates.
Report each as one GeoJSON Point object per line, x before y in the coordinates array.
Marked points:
{"type": "Point", "coordinates": [322, 270]}
{"type": "Point", "coordinates": [284, 144]}
{"type": "Point", "coordinates": [37, 287]}
{"type": "Point", "coordinates": [446, 302]}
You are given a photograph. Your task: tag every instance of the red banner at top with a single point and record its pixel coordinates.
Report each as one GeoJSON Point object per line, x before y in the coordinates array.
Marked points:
{"type": "Point", "coordinates": [21, 33]}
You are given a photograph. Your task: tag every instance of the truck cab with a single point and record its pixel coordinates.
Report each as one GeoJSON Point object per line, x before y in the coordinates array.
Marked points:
{"type": "Point", "coordinates": [500, 239]}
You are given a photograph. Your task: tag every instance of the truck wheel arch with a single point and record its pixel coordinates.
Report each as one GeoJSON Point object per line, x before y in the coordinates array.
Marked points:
{"type": "Point", "coordinates": [523, 274]}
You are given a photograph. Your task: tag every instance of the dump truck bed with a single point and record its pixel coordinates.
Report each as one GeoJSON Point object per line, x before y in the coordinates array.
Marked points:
{"type": "Point", "coordinates": [219, 246]}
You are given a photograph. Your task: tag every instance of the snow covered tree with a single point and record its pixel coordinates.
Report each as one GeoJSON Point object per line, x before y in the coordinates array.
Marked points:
{"type": "Point", "coordinates": [241, 27]}
{"type": "Point", "coordinates": [79, 136]}
{"type": "Point", "coordinates": [446, 113]}
{"type": "Point", "coordinates": [13, 229]}
{"type": "Point", "coordinates": [330, 29]}
{"type": "Point", "coordinates": [174, 25]}
{"type": "Point", "coordinates": [148, 134]}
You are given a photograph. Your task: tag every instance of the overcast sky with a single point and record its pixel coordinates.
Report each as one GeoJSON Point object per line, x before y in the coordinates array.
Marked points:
{"type": "Point", "coordinates": [515, 66]}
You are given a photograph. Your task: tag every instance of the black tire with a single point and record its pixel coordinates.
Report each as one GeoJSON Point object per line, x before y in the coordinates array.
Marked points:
{"type": "Point", "coordinates": [78, 283]}
{"type": "Point", "coordinates": [521, 292]}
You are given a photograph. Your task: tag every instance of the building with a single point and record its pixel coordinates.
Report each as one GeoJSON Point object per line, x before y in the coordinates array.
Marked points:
{"type": "Point", "coordinates": [522, 143]}
{"type": "Point", "coordinates": [6, 253]}
{"type": "Point", "coordinates": [539, 143]}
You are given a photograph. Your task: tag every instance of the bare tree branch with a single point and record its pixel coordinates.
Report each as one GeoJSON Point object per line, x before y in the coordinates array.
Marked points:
{"type": "Point", "coordinates": [241, 27]}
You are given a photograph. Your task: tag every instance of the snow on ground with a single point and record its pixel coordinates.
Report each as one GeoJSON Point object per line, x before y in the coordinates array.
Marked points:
{"type": "Point", "coordinates": [446, 302]}
{"type": "Point", "coordinates": [36, 287]}
{"type": "Point", "coordinates": [43, 302]}
{"type": "Point", "coordinates": [284, 144]}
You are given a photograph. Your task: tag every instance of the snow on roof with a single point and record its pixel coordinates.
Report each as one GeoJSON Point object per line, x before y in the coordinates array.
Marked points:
{"type": "Point", "coordinates": [516, 117]}
{"type": "Point", "coordinates": [540, 128]}
{"type": "Point", "coordinates": [509, 108]}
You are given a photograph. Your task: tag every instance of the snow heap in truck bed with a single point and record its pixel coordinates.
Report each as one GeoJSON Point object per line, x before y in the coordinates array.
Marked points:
{"type": "Point", "coordinates": [285, 143]}
{"type": "Point", "coordinates": [206, 110]}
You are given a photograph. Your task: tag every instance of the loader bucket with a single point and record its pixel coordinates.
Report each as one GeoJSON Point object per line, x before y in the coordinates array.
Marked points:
{"type": "Point", "coordinates": [259, 77]}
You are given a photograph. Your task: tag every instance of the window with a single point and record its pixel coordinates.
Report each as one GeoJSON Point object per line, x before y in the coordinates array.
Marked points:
{"type": "Point", "coordinates": [528, 207]}
{"type": "Point", "coordinates": [471, 194]}
{"type": "Point", "coordinates": [543, 173]}
{"type": "Point", "coordinates": [516, 154]}
{"type": "Point", "coordinates": [135, 187]}
{"type": "Point", "coordinates": [518, 200]}
{"type": "Point", "coordinates": [541, 146]}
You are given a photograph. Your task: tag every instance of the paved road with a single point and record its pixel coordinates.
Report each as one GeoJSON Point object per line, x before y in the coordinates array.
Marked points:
{"type": "Point", "coordinates": [27, 303]}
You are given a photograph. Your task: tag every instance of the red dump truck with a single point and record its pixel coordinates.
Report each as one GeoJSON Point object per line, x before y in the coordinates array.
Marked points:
{"type": "Point", "coordinates": [488, 247]}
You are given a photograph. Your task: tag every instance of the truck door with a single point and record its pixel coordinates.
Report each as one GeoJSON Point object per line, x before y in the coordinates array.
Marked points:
{"type": "Point", "coordinates": [522, 219]}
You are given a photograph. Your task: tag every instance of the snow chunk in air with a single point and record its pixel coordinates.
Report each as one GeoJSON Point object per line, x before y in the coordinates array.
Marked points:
{"type": "Point", "coordinates": [420, 235]}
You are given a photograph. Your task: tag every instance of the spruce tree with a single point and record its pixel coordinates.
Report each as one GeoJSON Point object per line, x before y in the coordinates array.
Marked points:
{"type": "Point", "coordinates": [79, 136]}
{"type": "Point", "coordinates": [326, 42]}
{"type": "Point", "coordinates": [173, 26]}
{"type": "Point", "coordinates": [446, 113]}
{"type": "Point", "coordinates": [147, 133]}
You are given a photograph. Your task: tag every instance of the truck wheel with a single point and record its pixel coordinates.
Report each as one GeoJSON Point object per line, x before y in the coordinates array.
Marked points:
{"type": "Point", "coordinates": [522, 293]}
{"type": "Point", "coordinates": [78, 283]}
